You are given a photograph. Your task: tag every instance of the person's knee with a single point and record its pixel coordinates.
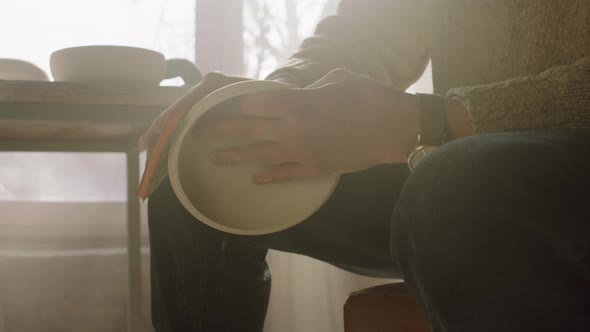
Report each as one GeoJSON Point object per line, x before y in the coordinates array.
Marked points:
{"type": "Point", "coordinates": [459, 166]}
{"type": "Point", "coordinates": [450, 195]}
{"type": "Point", "coordinates": [162, 193]}
{"type": "Point", "coordinates": [473, 171]}
{"type": "Point", "coordinates": [167, 218]}
{"type": "Point", "coordinates": [437, 228]}
{"type": "Point", "coordinates": [473, 190]}
{"type": "Point", "coordinates": [474, 216]}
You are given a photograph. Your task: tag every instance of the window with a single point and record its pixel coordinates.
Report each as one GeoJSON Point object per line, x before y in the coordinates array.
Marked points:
{"type": "Point", "coordinates": [273, 30]}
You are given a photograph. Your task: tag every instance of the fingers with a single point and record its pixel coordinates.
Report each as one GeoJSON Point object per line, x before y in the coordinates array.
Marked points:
{"type": "Point", "coordinates": [284, 172]}
{"type": "Point", "coordinates": [263, 152]}
{"type": "Point", "coordinates": [148, 138]}
{"type": "Point", "coordinates": [180, 107]}
{"type": "Point", "coordinates": [210, 83]}
{"type": "Point", "coordinates": [259, 129]}
{"type": "Point", "coordinates": [272, 104]}
{"type": "Point", "coordinates": [284, 104]}
{"type": "Point", "coordinates": [289, 162]}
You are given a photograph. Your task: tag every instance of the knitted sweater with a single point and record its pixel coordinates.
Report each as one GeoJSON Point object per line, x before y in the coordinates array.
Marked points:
{"type": "Point", "coordinates": [515, 64]}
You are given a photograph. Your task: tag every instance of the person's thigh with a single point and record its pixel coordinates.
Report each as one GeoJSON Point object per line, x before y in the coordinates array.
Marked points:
{"type": "Point", "coordinates": [351, 230]}
{"type": "Point", "coordinates": [493, 233]}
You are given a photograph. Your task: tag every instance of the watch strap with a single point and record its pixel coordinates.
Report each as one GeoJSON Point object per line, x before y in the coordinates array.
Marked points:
{"type": "Point", "coordinates": [433, 122]}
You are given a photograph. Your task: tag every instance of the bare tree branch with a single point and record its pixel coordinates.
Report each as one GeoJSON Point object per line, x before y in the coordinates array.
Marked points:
{"type": "Point", "coordinates": [273, 30]}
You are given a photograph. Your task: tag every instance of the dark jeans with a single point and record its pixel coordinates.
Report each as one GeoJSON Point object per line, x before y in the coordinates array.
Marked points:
{"type": "Point", "coordinates": [491, 233]}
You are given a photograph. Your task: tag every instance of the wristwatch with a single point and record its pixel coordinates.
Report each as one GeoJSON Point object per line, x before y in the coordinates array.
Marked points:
{"type": "Point", "coordinates": [433, 127]}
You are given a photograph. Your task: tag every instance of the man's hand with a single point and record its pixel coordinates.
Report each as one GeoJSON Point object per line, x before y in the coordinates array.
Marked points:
{"type": "Point", "coordinates": [342, 123]}
{"type": "Point", "coordinates": [210, 83]}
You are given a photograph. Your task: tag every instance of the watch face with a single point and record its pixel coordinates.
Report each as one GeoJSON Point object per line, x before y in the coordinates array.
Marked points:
{"type": "Point", "coordinates": [419, 154]}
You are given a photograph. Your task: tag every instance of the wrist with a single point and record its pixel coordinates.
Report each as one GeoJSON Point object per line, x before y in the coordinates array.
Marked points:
{"type": "Point", "coordinates": [458, 120]}
{"type": "Point", "coordinates": [403, 128]}
{"type": "Point", "coordinates": [412, 127]}
{"type": "Point", "coordinates": [432, 124]}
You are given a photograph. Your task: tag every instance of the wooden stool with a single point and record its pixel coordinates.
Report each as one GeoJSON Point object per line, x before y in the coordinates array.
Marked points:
{"type": "Point", "coordinates": [384, 308]}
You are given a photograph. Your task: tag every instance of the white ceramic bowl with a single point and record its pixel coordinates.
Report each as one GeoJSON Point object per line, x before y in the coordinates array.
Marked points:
{"type": "Point", "coordinates": [18, 70]}
{"type": "Point", "coordinates": [108, 64]}
{"type": "Point", "coordinates": [225, 197]}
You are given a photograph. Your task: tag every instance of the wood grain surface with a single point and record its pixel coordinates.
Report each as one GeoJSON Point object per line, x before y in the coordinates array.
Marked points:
{"type": "Point", "coordinates": [46, 111]}
{"type": "Point", "coordinates": [89, 93]}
